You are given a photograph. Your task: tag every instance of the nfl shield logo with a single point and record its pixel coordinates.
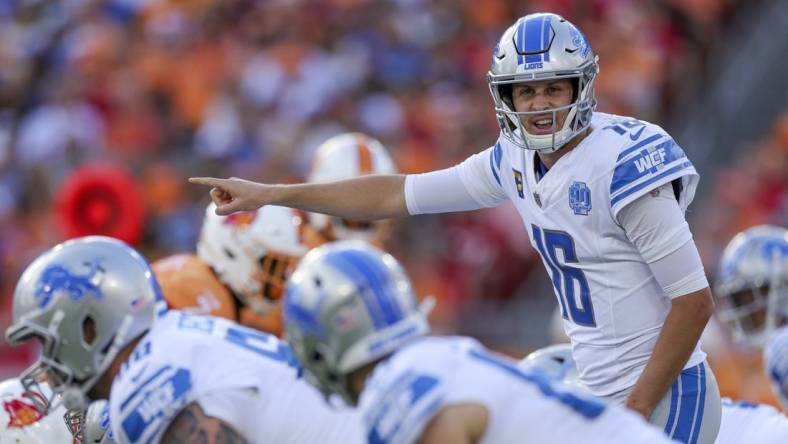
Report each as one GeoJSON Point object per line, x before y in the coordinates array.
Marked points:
{"type": "Point", "coordinates": [580, 198]}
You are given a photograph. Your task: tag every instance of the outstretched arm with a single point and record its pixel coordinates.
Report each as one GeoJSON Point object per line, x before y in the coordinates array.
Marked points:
{"type": "Point", "coordinates": [362, 198]}
{"type": "Point", "coordinates": [192, 425]}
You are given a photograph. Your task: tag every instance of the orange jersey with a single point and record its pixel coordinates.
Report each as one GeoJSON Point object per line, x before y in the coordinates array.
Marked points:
{"type": "Point", "coordinates": [189, 284]}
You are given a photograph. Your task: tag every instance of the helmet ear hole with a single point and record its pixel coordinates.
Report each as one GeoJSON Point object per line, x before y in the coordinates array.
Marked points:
{"type": "Point", "coordinates": [89, 330]}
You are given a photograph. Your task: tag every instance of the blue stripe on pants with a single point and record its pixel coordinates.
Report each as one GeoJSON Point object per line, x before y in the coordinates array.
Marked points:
{"type": "Point", "coordinates": [674, 397]}
{"type": "Point", "coordinates": [693, 391]}
{"type": "Point", "coordinates": [701, 403]}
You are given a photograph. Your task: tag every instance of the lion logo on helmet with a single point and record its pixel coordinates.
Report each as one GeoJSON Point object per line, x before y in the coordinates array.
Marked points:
{"type": "Point", "coordinates": [57, 278]}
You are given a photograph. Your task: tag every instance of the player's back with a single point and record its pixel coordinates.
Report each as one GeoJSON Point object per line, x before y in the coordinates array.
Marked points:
{"type": "Point", "coordinates": [242, 376]}
{"type": "Point", "coordinates": [407, 390]}
{"type": "Point", "coordinates": [744, 422]}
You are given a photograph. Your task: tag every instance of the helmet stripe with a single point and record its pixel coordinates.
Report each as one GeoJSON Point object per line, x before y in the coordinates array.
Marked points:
{"type": "Point", "coordinates": [546, 38]}
{"type": "Point", "coordinates": [532, 40]}
{"type": "Point", "coordinates": [372, 281]}
{"type": "Point", "coordinates": [364, 155]}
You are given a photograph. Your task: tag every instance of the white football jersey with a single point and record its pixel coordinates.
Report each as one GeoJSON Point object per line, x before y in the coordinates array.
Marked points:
{"type": "Point", "coordinates": [744, 422]}
{"type": "Point", "coordinates": [416, 382]}
{"type": "Point", "coordinates": [612, 306]}
{"type": "Point", "coordinates": [188, 358]}
{"type": "Point", "coordinates": [776, 360]}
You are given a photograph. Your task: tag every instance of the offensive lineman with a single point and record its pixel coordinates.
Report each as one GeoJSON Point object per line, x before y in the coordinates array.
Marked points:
{"type": "Point", "coordinates": [169, 376]}
{"type": "Point", "coordinates": [602, 198]}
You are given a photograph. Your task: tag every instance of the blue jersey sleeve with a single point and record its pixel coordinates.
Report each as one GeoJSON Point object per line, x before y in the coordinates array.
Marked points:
{"type": "Point", "coordinates": [649, 160]}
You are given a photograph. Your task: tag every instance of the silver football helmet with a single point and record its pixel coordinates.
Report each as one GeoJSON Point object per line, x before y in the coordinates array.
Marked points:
{"type": "Point", "coordinates": [752, 284]}
{"type": "Point", "coordinates": [539, 47]}
{"type": "Point", "coordinates": [347, 305]}
{"type": "Point", "coordinates": [556, 362]}
{"type": "Point", "coordinates": [84, 299]}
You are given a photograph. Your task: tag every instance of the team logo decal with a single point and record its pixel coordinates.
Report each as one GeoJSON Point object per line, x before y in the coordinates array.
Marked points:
{"type": "Point", "coordinates": [580, 198]}
{"type": "Point", "coordinates": [57, 278]}
{"type": "Point", "coordinates": [21, 413]}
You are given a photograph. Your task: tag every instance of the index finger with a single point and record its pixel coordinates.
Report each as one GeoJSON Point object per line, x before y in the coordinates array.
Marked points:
{"type": "Point", "coordinates": [209, 181]}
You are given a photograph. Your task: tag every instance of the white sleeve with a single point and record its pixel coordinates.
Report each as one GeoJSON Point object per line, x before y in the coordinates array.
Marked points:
{"type": "Point", "coordinates": [655, 224]}
{"type": "Point", "coordinates": [471, 185]}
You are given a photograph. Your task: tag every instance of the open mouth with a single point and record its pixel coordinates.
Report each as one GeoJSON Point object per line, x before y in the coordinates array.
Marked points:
{"type": "Point", "coordinates": [542, 125]}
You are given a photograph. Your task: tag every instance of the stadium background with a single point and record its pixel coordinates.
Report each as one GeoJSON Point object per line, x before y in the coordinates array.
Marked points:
{"type": "Point", "coordinates": [160, 90]}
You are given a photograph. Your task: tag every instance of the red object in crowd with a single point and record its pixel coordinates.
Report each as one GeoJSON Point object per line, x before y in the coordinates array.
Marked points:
{"type": "Point", "coordinates": [100, 199]}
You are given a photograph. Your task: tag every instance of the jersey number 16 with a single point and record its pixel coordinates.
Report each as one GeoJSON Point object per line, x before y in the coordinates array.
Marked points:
{"type": "Point", "coordinates": [566, 279]}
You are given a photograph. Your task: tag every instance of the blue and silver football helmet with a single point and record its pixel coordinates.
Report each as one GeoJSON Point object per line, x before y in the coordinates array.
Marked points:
{"type": "Point", "coordinates": [84, 299]}
{"type": "Point", "coordinates": [556, 362]}
{"type": "Point", "coordinates": [752, 284]}
{"type": "Point", "coordinates": [539, 47]}
{"type": "Point", "coordinates": [349, 304]}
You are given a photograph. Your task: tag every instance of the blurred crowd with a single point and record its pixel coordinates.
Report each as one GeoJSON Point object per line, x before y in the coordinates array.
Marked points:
{"type": "Point", "coordinates": [167, 89]}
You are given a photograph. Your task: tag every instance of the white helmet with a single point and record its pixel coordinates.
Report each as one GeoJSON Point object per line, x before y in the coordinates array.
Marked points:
{"type": "Point", "coordinates": [346, 156]}
{"type": "Point", "coordinates": [556, 362]}
{"type": "Point", "coordinates": [538, 47]}
{"type": "Point", "coordinates": [23, 422]}
{"type": "Point", "coordinates": [252, 252]}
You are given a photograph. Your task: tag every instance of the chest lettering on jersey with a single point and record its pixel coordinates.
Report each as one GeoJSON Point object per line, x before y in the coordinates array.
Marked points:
{"type": "Point", "coordinates": [650, 161]}
{"type": "Point", "coordinates": [580, 198]}
{"type": "Point", "coordinates": [518, 182]}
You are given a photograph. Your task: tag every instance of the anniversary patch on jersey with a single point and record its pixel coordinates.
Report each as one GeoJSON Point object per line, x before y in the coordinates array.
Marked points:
{"type": "Point", "coordinates": [580, 198]}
